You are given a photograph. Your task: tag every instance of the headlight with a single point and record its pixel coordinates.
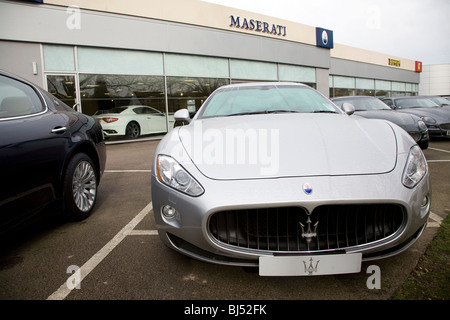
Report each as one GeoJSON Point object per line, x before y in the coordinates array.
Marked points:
{"type": "Point", "coordinates": [422, 125]}
{"type": "Point", "coordinates": [171, 173]}
{"type": "Point", "coordinates": [428, 120]}
{"type": "Point", "coordinates": [416, 167]}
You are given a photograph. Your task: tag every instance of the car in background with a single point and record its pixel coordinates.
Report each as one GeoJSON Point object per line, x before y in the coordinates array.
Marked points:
{"type": "Point", "coordinates": [435, 117]}
{"type": "Point", "coordinates": [374, 108]}
{"type": "Point", "coordinates": [441, 101]}
{"type": "Point", "coordinates": [133, 121]}
{"type": "Point", "coordinates": [276, 176]}
{"type": "Point", "coordinates": [48, 153]}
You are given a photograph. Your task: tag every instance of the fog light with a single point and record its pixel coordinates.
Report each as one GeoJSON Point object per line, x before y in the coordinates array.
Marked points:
{"type": "Point", "coordinates": [168, 211]}
{"type": "Point", "coordinates": [425, 201]}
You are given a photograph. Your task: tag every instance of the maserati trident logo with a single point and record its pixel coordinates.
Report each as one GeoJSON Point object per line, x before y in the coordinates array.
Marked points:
{"type": "Point", "coordinates": [309, 233]}
{"type": "Point", "coordinates": [324, 37]}
{"type": "Point", "coordinates": [307, 188]}
{"type": "Point", "coordinates": [311, 268]}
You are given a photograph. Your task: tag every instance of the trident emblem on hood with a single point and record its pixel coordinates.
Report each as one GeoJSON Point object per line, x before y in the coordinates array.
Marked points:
{"type": "Point", "coordinates": [309, 233]}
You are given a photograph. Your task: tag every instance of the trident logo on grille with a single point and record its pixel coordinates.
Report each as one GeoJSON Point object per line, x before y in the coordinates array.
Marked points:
{"type": "Point", "coordinates": [309, 233]}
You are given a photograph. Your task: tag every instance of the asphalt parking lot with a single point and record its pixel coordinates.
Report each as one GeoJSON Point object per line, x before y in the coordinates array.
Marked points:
{"type": "Point", "coordinates": [116, 254]}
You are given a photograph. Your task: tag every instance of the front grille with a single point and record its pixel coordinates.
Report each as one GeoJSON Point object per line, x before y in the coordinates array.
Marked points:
{"type": "Point", "coordinates": [292, 229]}
{"type": "Point", "coordinates": [445, 126]}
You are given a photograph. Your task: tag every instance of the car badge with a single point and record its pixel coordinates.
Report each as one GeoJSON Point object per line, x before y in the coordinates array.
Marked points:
{"type": "Point", "coordinates": [309, 233]}
{"type": "Point", "coordinates": [307, 188]}
{"type": "Point", "coordinates": [325, 37]}
{"type": "Point", "coordinates": [310, 269]}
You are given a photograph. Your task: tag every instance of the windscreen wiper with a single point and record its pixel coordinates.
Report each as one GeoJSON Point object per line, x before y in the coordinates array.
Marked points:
{"type": "Point", "coordinates": [260, 112]}
{"type": "Point", "coordinates": [324, 111]}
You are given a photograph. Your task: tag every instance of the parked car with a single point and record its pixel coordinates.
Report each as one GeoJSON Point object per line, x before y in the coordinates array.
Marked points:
{"type": "Point", "coordinates": [275, 175]}
{"type": "Point", "coordinates": [441, 101]}
{"type": "Point", "coordinates": [374, 108]}
{"type": "Point", "coordinates": [48, 153]}
{"type": "Point", "coordinates": [133, 121]}
{"type": "Point", "coordinates": [436, 118]}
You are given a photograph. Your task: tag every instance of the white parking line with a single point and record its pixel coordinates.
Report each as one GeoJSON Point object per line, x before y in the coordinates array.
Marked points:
{"type": "Point", "coordinates": [439, 150]}
{"type": "Point", "coordinates": [143, 233]}
{"type": "Point", "coordinates": [437, 220]}
{"type": "Point", "coordinates": [90, 265]}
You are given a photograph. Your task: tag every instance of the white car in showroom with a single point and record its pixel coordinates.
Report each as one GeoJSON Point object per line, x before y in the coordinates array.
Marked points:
{"type": "Point", "coordinates": [133, 121]}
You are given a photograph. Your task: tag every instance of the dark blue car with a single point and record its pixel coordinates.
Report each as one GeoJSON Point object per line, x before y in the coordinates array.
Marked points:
{"type": "Point", "coordinates": [48, 153]}
{"type": "Point", "coordinates": [435, 117]}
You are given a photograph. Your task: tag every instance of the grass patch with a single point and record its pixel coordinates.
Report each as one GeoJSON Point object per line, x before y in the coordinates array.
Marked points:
{"type": "Point", "coordinates": [430, 280]}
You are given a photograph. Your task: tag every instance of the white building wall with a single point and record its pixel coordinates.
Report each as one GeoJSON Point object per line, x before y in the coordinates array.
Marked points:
{"type": "Point", "coordinates": [435, 80]}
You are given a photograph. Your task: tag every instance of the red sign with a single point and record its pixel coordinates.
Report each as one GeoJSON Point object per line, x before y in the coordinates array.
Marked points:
{"type": "Point", "coordinates": [418, 66]}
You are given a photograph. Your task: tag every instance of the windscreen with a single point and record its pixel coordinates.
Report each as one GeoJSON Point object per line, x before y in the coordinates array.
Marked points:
{"type": "Point", "coordinates": [235, 101]}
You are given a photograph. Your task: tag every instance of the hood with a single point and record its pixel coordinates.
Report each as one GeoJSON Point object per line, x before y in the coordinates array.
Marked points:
{"type": "Point", "coordinates": [289, 145]}
{"type": "Point", "coordinates": [404, 120]}
{"type": "Point", "coordinates": [440, 114]}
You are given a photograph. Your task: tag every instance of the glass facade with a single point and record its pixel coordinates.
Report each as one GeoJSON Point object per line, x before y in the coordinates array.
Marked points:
{"type": "Point", "coordinates": [101, 92]}
{"type": "Point", "coordinates": [349, 86]}
{"type": "Point", "coordinates": [100, 79]}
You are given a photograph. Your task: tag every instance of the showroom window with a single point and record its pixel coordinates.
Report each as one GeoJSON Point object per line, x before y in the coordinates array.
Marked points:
{"type": "Point", "coordinates": [117, 61]}
{"type": "Point", "coordinates": [342, 86]}
{"type": "Point", "coordinates": [195, 66]}
{"type": "Point", "coordinates": [253, 70]}
{"type": "Point", "coordinates": [189, 92]}
{"type": "Point", "coordinates": [191, 79]}
{"type": "Point", "coordinates": [382, 89]}
{"type": "Point", "coordinates": [348, 86]}
{"type": "Point", "coordinates": [63, 87]}
{"type": "Point", "coordinates": [297, 74]}
{"type": "Point", "coordinates": [101, 92]}
{"type": "Point", "coordinates": [365, 87]}
{"type": "Point", "coordinates": [58, 58]}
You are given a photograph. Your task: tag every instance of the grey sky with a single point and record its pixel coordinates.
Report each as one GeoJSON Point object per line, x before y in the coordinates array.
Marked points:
{"type": "Point", "coordinates": [412, 29]}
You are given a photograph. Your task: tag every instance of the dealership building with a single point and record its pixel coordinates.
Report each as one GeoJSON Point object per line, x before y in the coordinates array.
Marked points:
{"type": "Point", "coordinates": [172, 54]}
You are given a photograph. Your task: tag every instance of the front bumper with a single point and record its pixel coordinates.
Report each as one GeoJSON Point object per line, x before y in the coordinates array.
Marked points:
{"type": "Point", "coordinates": [189, 230]}
{"type": "Point", "coordinates": [439, 131]}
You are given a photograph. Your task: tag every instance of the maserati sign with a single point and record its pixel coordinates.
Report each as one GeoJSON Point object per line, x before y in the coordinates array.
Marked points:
{"type": "Point", "coordinates": [258, 26]}
{"type": "Point", "coordinates": [324, 38]}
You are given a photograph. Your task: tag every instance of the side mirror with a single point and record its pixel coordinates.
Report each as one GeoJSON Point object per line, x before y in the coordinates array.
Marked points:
{"type": "Point", "coordinates": [348, 108]}
{"type": "Point", "coordinates": [182, 115]}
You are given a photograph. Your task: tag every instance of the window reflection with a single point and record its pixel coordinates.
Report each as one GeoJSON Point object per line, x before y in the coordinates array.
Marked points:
{"type": "Point", "coordinates": [101, 92]}
{"type": "Point", "coordinates": [190, 93]}
{"type": "Point", "coordinates": [63, 88]}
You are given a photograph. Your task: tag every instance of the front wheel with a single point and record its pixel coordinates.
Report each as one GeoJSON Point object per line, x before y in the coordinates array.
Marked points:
{"type": "Point", "coordinates": [80, 187]}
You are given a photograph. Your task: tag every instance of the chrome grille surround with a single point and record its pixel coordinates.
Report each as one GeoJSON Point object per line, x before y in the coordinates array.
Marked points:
{"type": "Point", "coordinates": [295, 230]}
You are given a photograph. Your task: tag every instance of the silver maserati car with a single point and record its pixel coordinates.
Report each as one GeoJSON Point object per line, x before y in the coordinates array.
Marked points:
{"type": "Point", "coordinates": [276, 176]}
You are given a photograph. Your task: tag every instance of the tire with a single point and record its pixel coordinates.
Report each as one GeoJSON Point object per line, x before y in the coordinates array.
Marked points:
{"type": "Point", "coordinates": [133, 130]}
{"type": "Point", "coordinates": [80, 188]}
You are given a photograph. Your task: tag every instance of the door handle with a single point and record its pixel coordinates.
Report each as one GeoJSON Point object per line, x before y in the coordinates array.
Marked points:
{"type": "Point", "coordinates": [59, 130]}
